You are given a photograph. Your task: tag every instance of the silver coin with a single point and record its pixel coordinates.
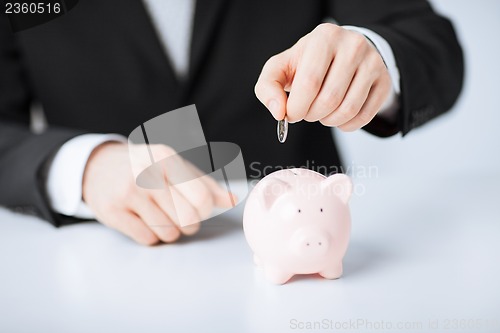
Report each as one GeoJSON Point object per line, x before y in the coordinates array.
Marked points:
{"type": "Point", "coordinates": [282, 130]}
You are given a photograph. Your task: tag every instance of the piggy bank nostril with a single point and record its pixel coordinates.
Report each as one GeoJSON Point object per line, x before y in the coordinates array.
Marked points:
{"type": "Point", "coordinates": [319, 243]}
{"type": "Point", "coordinates": [307, 244]}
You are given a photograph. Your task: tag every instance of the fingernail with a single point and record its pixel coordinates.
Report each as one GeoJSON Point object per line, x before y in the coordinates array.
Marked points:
{"type": "Point", "coordinates": [274, 106]}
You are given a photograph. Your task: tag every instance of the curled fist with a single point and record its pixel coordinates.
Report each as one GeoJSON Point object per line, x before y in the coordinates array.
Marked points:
{"type": "Point", "coordinates": [333, 75]}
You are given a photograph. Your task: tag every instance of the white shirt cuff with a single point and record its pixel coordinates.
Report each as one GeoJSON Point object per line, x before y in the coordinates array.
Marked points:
{"type": "Point", "coordinates": [64, 181]}
{"type": "Point", "coordinates": [390, 106]}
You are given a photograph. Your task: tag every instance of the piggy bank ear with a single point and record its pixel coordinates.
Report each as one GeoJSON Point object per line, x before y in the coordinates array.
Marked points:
{"type": "Point", "coordinates": [339, 185]}
{"type": "Point", "coordinates": [271, 190]}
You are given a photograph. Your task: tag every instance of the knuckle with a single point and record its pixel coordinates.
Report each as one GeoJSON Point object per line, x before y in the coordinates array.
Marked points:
{"type": "Point", "coordinates": [359, 42]}
{"type": "Point", "coordinates": [375, 65]}
{"type": "Point", "coordinates": [191, 229]}
{"type": "Point", "coordinates": [364, 118]}
{"type": "Point", "coordinates": [330, 99]}
{"type": "Point", "coordinates": [189, 217]}
{"type": "Point", "coordinates": [326, 122]}
{"type": "Point", "coordinates": [386, 81]}
{"type": "Point", "coordinates": [293, 117]}
{"type": "Point", "coordinates": [347, 128]}
{"type": "Point", "coordinates": [374, 59]}
{"type": "Point", "coordinates": [347, 111]}
{"type": "Point", "coordinates": [201, 197]}
{"type": "Point", "coordinates": [312, 82]}
{"type": "Point", "coordinates": [323, 102]}
{"type": "Point", "coordinates": [295, 112]}
{"type": "Point", "coordinates": [147, 238]}
{"type": "Point", "coordinates": [328, 29]}
{"type": "Point", "coordinates": [272, 62]}
{"type": "Point", "coordinates": [340, 116]}
{"type": "Point", "coordinates": [204, 212]}
{"type": "Point", "coordinates": [169, 234]}
{"type": "Point", "coordinates": [203, 202]}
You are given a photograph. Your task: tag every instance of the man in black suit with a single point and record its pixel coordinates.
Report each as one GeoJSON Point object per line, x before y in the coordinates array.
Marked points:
{"type": "Point", "coordinates": [108, 66]}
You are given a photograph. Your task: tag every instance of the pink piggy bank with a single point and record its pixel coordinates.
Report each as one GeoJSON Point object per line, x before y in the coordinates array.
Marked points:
{"type": "Point", "coordinates": [297, 221]}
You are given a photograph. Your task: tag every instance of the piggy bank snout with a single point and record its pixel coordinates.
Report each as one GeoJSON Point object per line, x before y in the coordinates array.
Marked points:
{"type": "Point", "coordinates": [310, 242]}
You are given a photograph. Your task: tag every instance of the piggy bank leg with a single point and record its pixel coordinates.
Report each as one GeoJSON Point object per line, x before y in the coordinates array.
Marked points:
{"type": "Point", "coordinates": [275, 275]}
{"type": "Point", "coordinates": [333, 272]}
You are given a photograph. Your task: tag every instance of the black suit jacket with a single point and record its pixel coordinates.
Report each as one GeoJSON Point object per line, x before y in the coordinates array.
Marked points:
{"type": "Point", "coordinates": [100, 68]}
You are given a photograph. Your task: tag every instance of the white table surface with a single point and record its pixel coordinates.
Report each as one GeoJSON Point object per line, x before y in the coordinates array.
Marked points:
{"type": "Point", "coordinates": [421, 250]}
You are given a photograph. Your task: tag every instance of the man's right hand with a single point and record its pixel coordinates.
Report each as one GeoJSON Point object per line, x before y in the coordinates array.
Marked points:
{"type": "Point", "coordinates": [148, 216]}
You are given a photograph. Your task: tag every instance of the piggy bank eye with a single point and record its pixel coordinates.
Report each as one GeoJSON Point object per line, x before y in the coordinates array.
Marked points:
{"type": "Point", "coordinates": [321, 210]}
{"type": "Point", "coordinates": [299, 210]}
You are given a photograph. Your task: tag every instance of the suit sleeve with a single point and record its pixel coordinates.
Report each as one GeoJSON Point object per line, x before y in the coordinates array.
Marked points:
{"type": "Point", "coordinates": [23, 154]}
{"type": "Point", "coordinates": [426, 50]}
